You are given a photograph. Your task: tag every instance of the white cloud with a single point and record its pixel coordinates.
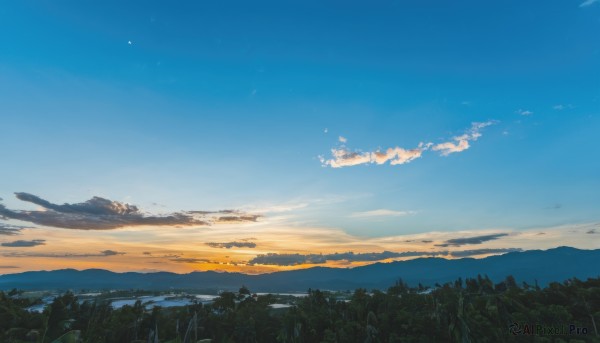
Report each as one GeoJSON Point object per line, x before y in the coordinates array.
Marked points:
{"type": "Point", "coordinates": [461, 143]}
{"type": "Point", "coordinates": [344, 157]}
{"type": "Point", "coordinates": [561, 107]}
{"type": "Point", "coordinates": [382, 213]}
{"type": "Point", "coordinates": [587, 3]}
{"type": "Point", "coordinates": [342, 139]}
{"type": "Point", "coordinates": [524, 112]}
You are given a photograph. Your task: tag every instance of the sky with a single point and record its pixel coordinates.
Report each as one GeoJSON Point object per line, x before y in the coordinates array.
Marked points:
{"type": "Point", "coordinates": [267, 136]}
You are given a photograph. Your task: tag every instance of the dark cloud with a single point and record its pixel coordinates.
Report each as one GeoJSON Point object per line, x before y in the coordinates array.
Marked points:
{"type": "Point", "coordinates": [295, 259]}
{"type": "Point", "coordinates": [592, 231]}
{"type": "Point", "coordinates": [238, 218]}
{"type": "Point", "coordinates": [426, 241]}
{"type": "Point", "coordinates": [111, 253]}
{"type": "Point", "coordinates": [288, 259]}
{"type": "Point", "coordinates": [470, 240]}
{"type": "Point", "coordinates": [105, 253]}
{"type": "Point", "coordinates": [229, 245]}
{"type": "Point", "coordinates": [103, 214]}
{"type": "Point", "coordinates": [466, 253]}
{"type": "Point", "coordinates": [24, 244]}
{"type": "Point", "coordinates": [10, 230]}
{"type": "Point", "coordinates": [8, 267]}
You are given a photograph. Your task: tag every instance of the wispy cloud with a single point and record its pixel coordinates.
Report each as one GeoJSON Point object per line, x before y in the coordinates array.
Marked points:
{"type": "Point", "coordinates": [587, 3]}
{"type": "Point", "coordinates": [234, 244]}
{"type": "Point", "coordinates": [296, 259]}
{"type": "Point", "coordinates": [461, 143]}
{"type": "Point", "coordinates": [111, 253]}
{"type": "Point", "coordinates": [524, 112]}
{"type": "Point", "coordinates": [103, 214]}
{"type": "Point", "coordinates": [561, 107]}
{"type": "Point", "coordinates": [476, 252]}
{"type": "Point", "coordinates": [344, 157]}
{"type": "Point", "coordinates": [105, 253]}
{"type": "Point", "coordinates": [456, 242]}
{"type": "Point", "coordinates": [209, 262]}
{"type": "Point", "coordinates": [382, 213]}
{"type": "Point", "coordinates": [8, 267]}
{"type": "Point", "coordinates": [342, 139]}
{"type": "Point", "coordinates": [10, 230]}
{"type": "Point", "coordinates": [240, 218]}
{"type": "Point", "coordinates": [23, 243]}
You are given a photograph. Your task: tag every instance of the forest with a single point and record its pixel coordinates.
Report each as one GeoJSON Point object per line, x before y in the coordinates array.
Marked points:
{"type": "Point", "coordinates": [473, 310]}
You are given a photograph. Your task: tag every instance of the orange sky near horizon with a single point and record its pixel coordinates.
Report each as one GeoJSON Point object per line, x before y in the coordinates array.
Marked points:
{"type": "Point", "coordinates": [184, 250]}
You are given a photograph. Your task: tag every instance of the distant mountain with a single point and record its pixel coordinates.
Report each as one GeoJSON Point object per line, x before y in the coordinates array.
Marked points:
{"type": "Point", "coordinates": [542, 265]}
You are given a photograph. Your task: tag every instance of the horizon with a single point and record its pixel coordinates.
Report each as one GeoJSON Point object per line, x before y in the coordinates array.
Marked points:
{"type": "Point", "coordinates": [270, 137]}
{"type": "Point", "coordinates": [280, 271]}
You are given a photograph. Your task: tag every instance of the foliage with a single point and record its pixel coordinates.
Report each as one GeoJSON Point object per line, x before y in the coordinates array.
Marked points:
{"type": "Point", "coordinates": [476, 310]}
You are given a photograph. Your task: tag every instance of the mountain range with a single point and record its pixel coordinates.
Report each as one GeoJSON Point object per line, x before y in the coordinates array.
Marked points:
{"type": "Point", "coordinates": [541, 266]}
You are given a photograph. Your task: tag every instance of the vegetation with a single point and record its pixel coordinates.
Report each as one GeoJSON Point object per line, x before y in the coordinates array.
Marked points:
{"type": "Point", "coordinates": [474, 311]}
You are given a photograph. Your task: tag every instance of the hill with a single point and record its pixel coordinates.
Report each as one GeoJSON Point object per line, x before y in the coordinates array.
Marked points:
{"type": "Point", "coordinates": [544, 266]}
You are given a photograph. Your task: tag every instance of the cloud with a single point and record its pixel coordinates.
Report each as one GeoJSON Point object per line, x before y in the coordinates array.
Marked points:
{"type": "Point", "coordinates": [24, 244]}
{"type": "Point", "coordinates": [238, 218]}
{"type": "Point", "coordinates": [456, 242]}
{"type": "Point", "coordinates": [343, 157]}
{"type": "Point", "coordinates": [103, 214]}
{"type": "Point", "coordinates": [296, 259]}
{"type": "Point", "coordinates": [461, 143]}
{"type": "Point", "coordinates": [10, 230]}
{"type": "Point", "coordinates": [466, 253]}
{"type": "Point", "coordinates": [342, 139]}
{"type": "Point", "coordinates": [287, 259]}
{"type": "Point", "coordinates": [587, 3]}
{"type": "Point", "coordinates": [8, 267]}
{"type": "Point", "coordinates": [382, 213]}
{"type": "Point", "coordinates": [105, 253]}
{"type": "Point", "coordinates": [150, 254]}
{"type": "Point", "coordinates": [592, 231]}
{"type": "Point", "coordinates": [561, 107]}
{"type": "Point", "coordinates": [524, 112]}
{"type": "Point", "coordinates": [192, 260]}
{"type": "Point", "coordinates": [111, 253]}
{"type": "Point", "coordinates": [229, 245]}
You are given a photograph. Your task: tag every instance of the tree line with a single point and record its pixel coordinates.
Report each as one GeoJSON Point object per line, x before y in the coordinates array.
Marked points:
{"type": "Point", "coordinates": [476, 310]}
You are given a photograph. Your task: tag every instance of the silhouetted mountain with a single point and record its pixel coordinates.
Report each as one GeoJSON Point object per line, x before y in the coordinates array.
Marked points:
{"type": "Point", "coordinates": [542, 265]}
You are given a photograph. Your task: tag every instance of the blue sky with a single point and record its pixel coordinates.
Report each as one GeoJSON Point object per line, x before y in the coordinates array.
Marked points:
{"type": "Point", "coordinates": [233, 105]}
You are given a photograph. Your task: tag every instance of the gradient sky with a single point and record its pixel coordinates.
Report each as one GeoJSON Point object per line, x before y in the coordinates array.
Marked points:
{"type": "Point", "coordinates": [456, 129]}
